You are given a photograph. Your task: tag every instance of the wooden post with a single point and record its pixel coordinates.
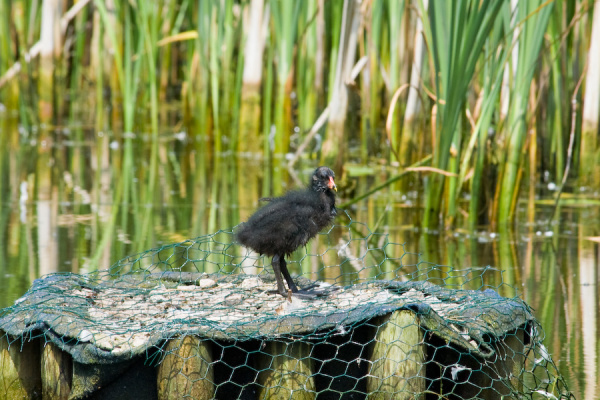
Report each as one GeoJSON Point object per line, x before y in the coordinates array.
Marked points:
{"type": "Point", "coordinates": [57, 372]}
{"type": "Point", "coordinates": [467, 376]}
{"type": "Point", "coordinates": [19, 369]}
{"type": "Point", "coordinates": [341, 364]}
{"type": "Point", "coordinates": [286, 371]}
{"type": "Point", "coordinates": [397, 369]}
{"type": "Point", "coordinates": [186, 371]}
{"type": "Point", "coordinates": [505, 370]}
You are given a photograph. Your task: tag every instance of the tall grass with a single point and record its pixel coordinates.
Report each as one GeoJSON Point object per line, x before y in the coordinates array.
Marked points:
{"type": "Point", "coordinates": [537, 14]}
{"type": "Point", "coordinates": [476, 155]}
{"type": "Point", "coordinates": [456, 32]}
{"type": "Point", "coordinates": [395, 14]}
{"type": "Point", "coordinates": [285, 26]}
{"type": "Point", "coordinates": [590, 166]}
{"type": "Point", "coordinates": [472, 50]}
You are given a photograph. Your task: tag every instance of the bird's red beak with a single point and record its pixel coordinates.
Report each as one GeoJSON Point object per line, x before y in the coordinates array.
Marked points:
{"type": "Point", "coordinates": [331, 184]}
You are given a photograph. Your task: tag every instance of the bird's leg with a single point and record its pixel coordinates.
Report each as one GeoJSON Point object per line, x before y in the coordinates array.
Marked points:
{"type": "Point", "coordinates": [305, 293]}
{"type": "Point", "coordinates": [280, 268]}
{"type": "Point", "coordinates": [286, 275]}
{"type": "Point", "coordinates": [277, 271]}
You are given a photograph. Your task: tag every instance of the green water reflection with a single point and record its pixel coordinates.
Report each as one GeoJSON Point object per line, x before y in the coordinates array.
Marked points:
{"type": "Point", "coordinates": [86, 210]}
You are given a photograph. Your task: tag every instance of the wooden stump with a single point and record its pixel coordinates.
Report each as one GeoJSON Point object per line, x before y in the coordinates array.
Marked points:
{"type": "Point", "coordinates": [286, 371]}
{"type": "Point", "coordinates": [397, 369]}
{"type": "Point", "coordinates": [464, 375]}
{"type": "Point", "coordinates": [20, 376]}
{"type": "Point", "coordinates": [504, 371]}
{"type": "Point", "coordinates": [186, 371]}
{"type": "Point", "coordinates": [57, 372]}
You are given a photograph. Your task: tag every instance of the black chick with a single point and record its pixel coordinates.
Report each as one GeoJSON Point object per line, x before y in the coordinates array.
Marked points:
{"type": "Point", "coordinates": [290, 221]}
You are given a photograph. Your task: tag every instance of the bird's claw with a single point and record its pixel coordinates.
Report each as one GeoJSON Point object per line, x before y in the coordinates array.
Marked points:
{"type": "Point", "coordinates": [310, 292]}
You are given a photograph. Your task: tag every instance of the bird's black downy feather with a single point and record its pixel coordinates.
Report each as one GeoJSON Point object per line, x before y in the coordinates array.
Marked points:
{"type": "Point", "coordinates": [290, 221]}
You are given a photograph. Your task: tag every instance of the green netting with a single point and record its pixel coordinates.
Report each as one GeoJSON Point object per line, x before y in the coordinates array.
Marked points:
{"type": "Point", "coordinates": [198, 319]}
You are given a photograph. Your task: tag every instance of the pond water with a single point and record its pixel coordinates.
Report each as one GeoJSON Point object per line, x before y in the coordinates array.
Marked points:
{"type": "Point", "coordinates": [74, 200]}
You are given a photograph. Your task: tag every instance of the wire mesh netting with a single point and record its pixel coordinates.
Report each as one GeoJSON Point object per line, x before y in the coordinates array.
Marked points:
{"type": "Point", "coordinates": [199, 319]}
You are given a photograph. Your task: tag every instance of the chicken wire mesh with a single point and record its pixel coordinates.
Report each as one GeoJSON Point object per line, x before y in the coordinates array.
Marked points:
{"type": "Point", "coordinates": [199, 320]}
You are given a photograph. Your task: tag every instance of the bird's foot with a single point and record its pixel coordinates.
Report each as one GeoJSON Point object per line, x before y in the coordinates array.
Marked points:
{"type": "Point", "coordinates": [306, 294]}
{"type": "Point", "coordinates": [309, 292]}
{"type": "Point", "coordinates": [314, 291]}
{"type": "Point", "coordinates": [300, 294]}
